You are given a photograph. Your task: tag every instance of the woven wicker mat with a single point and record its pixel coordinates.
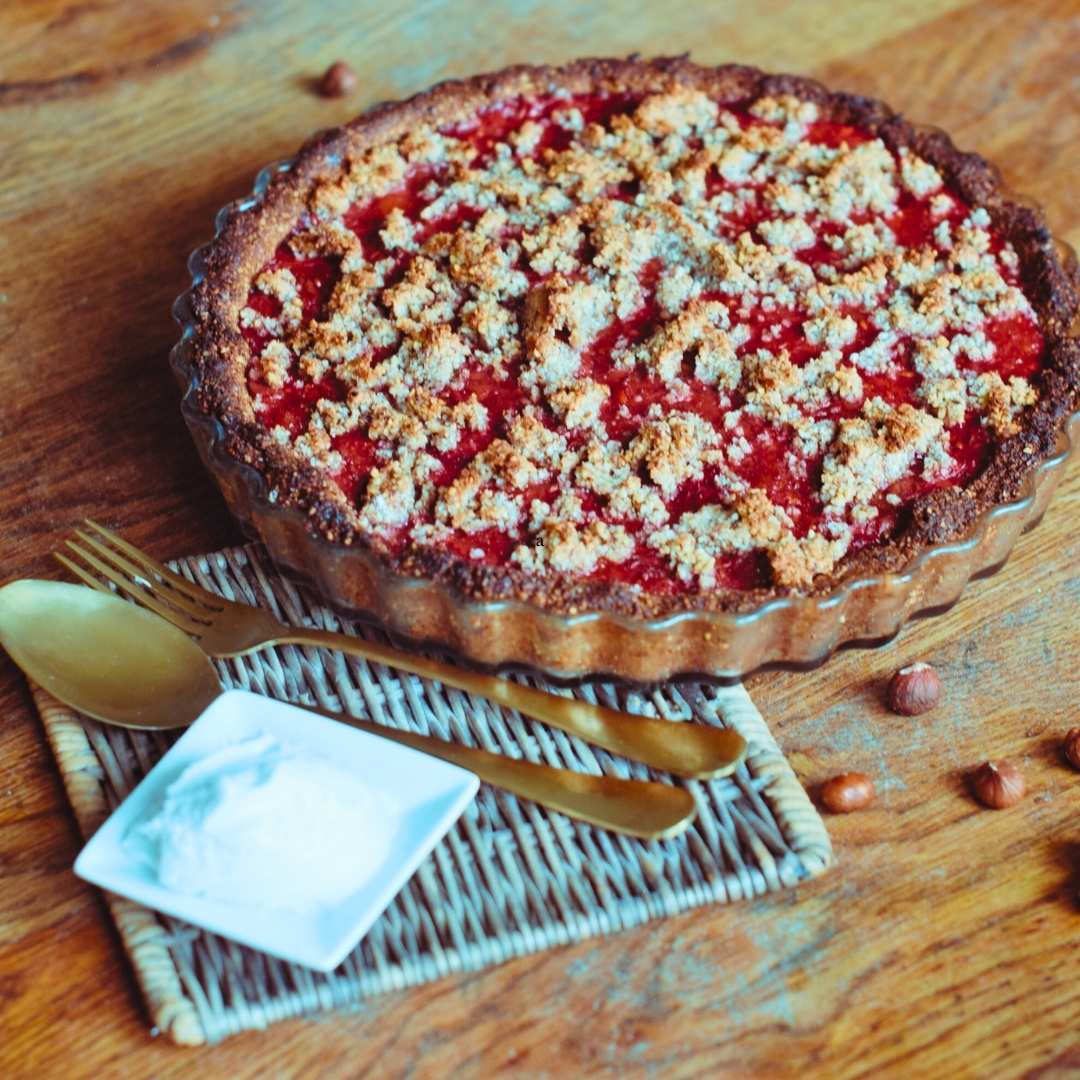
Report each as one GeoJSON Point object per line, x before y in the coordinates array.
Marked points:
{"type": "Point", "coordinates": [508, 879]}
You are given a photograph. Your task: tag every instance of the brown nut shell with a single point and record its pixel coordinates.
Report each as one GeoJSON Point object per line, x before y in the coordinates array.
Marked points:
{"type": "Point", "coordinates": [914, 689]}
{"type": "Point", "coordinates": [847, 792]}
{"type": "Point", "coordinates": [998, 784]}
{"type": "Point", "coordinates": [1070, 748]}
{"type": "Point", "coordinates": [338, 80]}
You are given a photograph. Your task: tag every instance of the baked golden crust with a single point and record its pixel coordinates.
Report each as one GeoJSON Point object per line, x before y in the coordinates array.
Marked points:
{"type": "Point", "coordinates": [220, 353]}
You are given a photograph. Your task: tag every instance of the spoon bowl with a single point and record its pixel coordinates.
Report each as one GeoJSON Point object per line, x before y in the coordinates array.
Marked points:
{"type": "Point", "coordinates": [105, 657]}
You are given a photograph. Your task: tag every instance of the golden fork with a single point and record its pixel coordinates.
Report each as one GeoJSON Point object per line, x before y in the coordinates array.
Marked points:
{"type": "Point", "coordinates": [225, 628]}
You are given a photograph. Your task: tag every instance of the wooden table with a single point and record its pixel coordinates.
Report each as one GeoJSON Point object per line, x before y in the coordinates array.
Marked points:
{"type": "Point", "coordinates": [944, 942]}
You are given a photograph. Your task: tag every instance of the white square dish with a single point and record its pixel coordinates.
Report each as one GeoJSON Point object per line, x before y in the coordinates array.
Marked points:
{"type": "Point", "coordinates": [428, 796]}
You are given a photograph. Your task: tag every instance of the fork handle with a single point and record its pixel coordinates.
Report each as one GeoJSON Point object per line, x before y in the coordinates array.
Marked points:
{"type": "Point", "coordinates": [642, 808]}
{"type": "Point", "coordinates": [696, 751]}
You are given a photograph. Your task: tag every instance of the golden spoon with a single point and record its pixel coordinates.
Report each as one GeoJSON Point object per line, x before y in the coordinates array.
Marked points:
{"type": "Point", "coordinates": [124, 665]}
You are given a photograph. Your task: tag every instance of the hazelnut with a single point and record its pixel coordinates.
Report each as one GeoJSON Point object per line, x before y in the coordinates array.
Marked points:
{"type": "Point", "coordinates": [1071, 748]}
{"type": "Point", "coordinates": [847, 792]}
{"type": "Point", "coordinates": [998, 784]}
{"type": "Point", "coordinates": [914, 689]}
{"type": "Point", "coordinates": [338, 80]}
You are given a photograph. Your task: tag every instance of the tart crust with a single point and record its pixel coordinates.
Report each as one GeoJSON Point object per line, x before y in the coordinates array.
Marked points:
{"type": "Point", "coordinates": [220, 355]}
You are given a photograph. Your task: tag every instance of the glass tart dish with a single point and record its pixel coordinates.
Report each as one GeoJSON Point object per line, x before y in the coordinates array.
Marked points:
{"type": "Point", "coordinates": [634, 368]}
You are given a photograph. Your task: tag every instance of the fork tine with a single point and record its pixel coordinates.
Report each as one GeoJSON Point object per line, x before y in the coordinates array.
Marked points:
{"type": "Point", "coordinates": [80, 573]}
{"type": "Point", "coordinates": [194, 593]}
{"type": "Point", "coordinates": [138, 593]}
{"type": "Point", "coordinates": [172, 596]}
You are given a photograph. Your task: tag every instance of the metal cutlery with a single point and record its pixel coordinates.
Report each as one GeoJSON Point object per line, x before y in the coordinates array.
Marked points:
{"type": "Point", "coordinates": [225, 628]}
{"type": "Point", "coordinates": [123, 665]}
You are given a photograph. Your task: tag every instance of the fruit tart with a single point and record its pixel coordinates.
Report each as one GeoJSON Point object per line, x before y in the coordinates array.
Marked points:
{"type": "Point", "coordinates": [634, 367]}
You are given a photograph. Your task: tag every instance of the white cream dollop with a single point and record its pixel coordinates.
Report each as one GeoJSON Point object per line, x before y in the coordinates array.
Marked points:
{"type": "Point", "coordinates": [268, 825]}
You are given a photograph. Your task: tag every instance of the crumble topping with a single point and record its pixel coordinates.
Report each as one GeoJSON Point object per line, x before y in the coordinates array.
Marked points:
{"type": "Point", "coordinates": [658, 341]}
{"type": "Point", "coordinates": [873, 450]}
{"type": "Point", "coordinates": [563, 546]}
{"type": "Point", "coordinates": [578, 404]}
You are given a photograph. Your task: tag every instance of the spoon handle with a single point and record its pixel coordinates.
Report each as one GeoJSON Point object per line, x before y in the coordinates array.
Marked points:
{"type": "Point", "coordinates": [685, 749]}
{"type": "Point", "coordinates": [643, 808]}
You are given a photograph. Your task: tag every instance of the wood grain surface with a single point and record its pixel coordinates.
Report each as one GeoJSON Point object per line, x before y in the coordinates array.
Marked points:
{"type": "Point", "coordinates": [945, 942]}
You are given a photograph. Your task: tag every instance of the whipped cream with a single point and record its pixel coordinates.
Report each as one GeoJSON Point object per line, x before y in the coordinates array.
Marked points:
{"type": "Point", "coordinates": [265, 824]}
